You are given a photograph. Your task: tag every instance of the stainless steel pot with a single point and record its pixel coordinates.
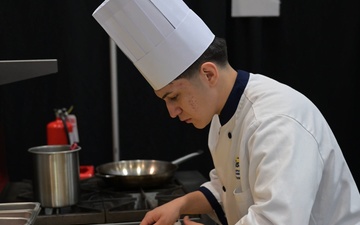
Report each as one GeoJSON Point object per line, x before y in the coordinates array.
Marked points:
{"type": "Point", "coordinates": [140, 173]}
{"type": "Point", "coordinates": [56, 175]}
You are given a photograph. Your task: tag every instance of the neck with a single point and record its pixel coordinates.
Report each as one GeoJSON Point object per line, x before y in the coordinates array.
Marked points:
{"type": "Point", "coordinates": [228, 77]}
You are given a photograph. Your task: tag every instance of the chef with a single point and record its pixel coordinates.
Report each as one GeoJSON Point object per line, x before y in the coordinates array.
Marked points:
{"type": "Point", "coordinates": [276, 160]}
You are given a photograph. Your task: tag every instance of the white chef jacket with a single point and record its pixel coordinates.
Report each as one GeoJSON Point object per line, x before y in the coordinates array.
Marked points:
{"type": "Point", "coordinates": [277, 162]}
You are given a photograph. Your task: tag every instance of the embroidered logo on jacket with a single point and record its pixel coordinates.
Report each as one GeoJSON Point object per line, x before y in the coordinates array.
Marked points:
{"type": "Point", "coordinates": [237, 168]}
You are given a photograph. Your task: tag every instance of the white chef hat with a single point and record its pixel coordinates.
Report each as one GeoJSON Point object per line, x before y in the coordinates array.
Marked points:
{"type": "Point", "coordinates": [161, 37]}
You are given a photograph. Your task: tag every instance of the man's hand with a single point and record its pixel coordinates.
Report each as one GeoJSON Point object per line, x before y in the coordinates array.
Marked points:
{"type": "Point", "coordinates": [167, 214]}
{"type": "Point", "coordinates": [163, 215]}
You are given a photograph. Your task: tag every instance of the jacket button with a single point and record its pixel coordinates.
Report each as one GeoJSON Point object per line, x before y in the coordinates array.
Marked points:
{"type": "Point", "coordinates": [224, 189]}
{"type": "Point", "coordinates": [229, 135]}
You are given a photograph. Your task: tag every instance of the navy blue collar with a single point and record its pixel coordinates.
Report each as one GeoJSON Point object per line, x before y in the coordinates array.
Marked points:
{"type": "Point", "coordinates": [232, 102]}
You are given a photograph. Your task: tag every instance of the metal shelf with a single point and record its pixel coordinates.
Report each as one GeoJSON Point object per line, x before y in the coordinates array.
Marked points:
{"type": "Point", "coordinates": [17, 70]}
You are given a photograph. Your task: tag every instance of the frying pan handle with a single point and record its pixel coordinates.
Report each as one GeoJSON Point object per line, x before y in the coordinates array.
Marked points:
{"type": "Point", "coordinates": [186, 157]}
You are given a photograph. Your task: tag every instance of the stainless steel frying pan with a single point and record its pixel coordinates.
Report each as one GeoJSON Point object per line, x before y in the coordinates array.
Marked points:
{"type": "Point", "coordinates": [140, 173]}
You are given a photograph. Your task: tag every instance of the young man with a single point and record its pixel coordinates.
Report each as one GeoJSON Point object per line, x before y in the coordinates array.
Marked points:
{"type": "Point", "coordinates": [276, 159]}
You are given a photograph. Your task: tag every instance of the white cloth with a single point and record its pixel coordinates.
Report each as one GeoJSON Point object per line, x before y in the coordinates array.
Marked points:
{"type": "Point", "coordinates": [292, 170]}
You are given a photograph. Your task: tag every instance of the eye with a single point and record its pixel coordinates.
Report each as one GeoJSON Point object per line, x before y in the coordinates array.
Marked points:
{"type": "Point", "coordinates": [173, 98]}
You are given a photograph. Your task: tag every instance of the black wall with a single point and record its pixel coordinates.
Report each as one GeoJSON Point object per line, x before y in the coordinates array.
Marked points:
{"type": "Point", "coordinates": [313, 46]}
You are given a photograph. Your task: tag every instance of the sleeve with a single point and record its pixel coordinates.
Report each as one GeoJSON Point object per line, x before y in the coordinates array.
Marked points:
{"type": "Point", "coordinates": [211, 190]}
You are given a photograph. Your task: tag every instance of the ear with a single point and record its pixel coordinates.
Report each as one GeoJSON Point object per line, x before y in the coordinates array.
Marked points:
{"type": "Point", "coordinates": [210, 73]}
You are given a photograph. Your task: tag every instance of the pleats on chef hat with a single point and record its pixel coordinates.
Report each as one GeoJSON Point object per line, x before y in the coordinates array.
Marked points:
{"type": "Point", "coordinates": [161, 37]}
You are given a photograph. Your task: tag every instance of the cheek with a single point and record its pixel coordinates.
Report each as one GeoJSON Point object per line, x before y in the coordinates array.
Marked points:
{"type": "Point", "coordinates": [193, 103]}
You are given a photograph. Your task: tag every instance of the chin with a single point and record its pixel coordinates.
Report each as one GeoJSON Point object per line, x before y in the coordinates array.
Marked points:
{"type": "Point", "coordinates": [199, 126]}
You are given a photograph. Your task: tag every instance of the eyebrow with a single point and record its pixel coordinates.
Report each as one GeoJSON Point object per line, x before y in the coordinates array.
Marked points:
{"type": "Point", "coordinates": [166, 94]}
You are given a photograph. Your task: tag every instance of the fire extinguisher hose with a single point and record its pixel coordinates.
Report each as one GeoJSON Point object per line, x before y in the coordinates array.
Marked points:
{"type": "Point", "coordinates": [63, 119]}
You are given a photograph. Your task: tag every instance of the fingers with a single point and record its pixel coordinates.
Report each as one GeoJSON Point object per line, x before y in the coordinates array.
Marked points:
{"type": "Point", "coordinates": [187, 221]}
{"type": "Point", "coordinates": [149, 219]}
{"type": "Point", "coordinates": [159, 217]}
{"type": "Point", "coordinates": [147, 222]}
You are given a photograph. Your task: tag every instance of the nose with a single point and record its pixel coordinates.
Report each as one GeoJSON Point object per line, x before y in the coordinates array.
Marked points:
{"type": "Point", "coordinates": [173, 109]}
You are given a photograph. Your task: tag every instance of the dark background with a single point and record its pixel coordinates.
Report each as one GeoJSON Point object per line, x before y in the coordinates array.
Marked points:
{"type": "Point", "coordinates": [313, 46]}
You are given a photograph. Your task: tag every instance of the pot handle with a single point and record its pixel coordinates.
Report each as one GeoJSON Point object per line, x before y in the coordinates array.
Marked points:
{"type": "Point", "coordinates": [186, 157]}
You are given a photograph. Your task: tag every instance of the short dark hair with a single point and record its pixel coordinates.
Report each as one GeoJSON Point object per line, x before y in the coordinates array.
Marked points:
{"type": "Point", "coordinates": [216, 53]}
